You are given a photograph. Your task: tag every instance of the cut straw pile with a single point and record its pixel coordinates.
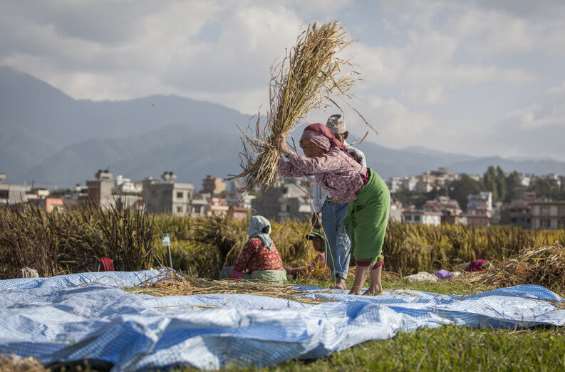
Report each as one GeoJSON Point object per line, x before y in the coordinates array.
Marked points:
{"type": "Point", "coordinates": [544, 266]}
{"type": "Point", "coordinates": [14, 363]}
{"type": "Point", "coordinates": [178, 285]}
{"type": "Point", "coordinates": [308, 75]}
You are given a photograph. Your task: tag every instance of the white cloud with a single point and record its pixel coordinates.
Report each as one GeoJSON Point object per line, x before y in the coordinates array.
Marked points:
{"type": "Point", "coordinates": [252, 39]}
{"type": "Point", "coordinates": [420, 60]}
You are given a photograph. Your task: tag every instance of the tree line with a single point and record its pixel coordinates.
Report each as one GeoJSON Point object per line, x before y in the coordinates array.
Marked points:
{"type": "Point", "coordinates": [505, 187]}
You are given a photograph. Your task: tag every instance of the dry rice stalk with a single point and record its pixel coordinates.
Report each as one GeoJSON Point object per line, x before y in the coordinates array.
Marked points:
{"type": "Point", "coordinates": [14, 363]}
{"type": "Point", "coordinates": [177, 285]}
{"type": "Point", "coordinates": [308, 74]}
{"type": "Point", "coordinates": [544, 266]}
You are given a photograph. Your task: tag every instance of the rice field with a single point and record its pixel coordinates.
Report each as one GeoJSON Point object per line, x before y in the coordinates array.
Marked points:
{"type": "Point", "coordinates": [73, 241]}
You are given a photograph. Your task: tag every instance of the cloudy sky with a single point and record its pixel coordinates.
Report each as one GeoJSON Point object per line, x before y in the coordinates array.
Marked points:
{"type": "Point", "coordinates": [479, 76]}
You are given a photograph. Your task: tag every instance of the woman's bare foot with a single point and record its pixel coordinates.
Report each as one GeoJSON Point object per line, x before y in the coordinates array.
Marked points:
{"type": "Point", "coordinates": [375, 286]}
{"type": "Point", "coordinates": [355, 291]}
{"type": "Point", "coordinates": [360, 277]}
{"type": "Point", "coordinates": [339, 284]}
{"type": "Point", "coordinates": [373, 291]}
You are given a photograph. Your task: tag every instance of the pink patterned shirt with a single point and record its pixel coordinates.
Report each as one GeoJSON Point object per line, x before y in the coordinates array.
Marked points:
{"type": "Point", "coordinates": [338, 173]}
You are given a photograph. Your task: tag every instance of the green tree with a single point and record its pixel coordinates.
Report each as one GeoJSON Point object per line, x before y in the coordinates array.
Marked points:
{"type": "Point", "coordinates": [460, 189]}
{"type": "Point", "coordinates": [514, 185]}
{"type": "Point", "coordinates": [501, 185]}
{"type": "Point", "coordinates": [490, 183]}
{"type": "Point", "coordinates": [545, 188]}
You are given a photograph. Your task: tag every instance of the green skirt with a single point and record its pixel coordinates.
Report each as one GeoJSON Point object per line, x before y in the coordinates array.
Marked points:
{"type": "Point", "coordinates": [275, 276]}
{"type": "Point", "coordinates": [367, 219]}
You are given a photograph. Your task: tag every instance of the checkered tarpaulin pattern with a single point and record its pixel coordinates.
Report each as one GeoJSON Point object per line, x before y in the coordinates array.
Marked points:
{"type": "Point", "coordinates": [88, 316]}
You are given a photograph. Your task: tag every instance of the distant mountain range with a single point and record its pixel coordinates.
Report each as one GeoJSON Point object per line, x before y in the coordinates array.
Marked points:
{"type": "Point", "coordinates": [52, 139]}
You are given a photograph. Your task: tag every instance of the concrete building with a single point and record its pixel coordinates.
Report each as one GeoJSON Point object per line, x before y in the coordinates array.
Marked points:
{"type": "Point", "coordinates": [72, 197]}
{"type": "Point", "coordinates": [425, 182]}
{"type": "Point", "coordinates": [395, 211]}
{"type": "Point", "coordinates": [479, 209]}
{"type": "Point", "coordinates": [38, 193]}
{"type": "Point", "coordinates": [478, 218]}
{"type": "Point", "coordinates": [284, 201]}
{"type": "Point", "coordinates": [237, 197]}
{"type": "Point", "coordinates": [100, 189]}
{"type": "Point", "coordinates": [167, 195]}
{"type": "Point", "coordinates": [50, 204]}
{"type": "Point", "coordinates": [394, 184]}
{"type": "Point", "coordinates": [13, 194]}
{"type": "Point", "coordinates": [449, 209]}
{"type": "Point", "coordinates": [217, 207]}
{"type": "Point", "coordinates": [548, 215]}
{"type": "Point", "coordinates": [518, 212]}
{"type": "Point", "coordinates": [213, 185]}
{"type": "Point", "coordinates": [481, 200]}
{"type": "Point", "coordinates": [199, 205]}
{"type": "Point", "coordinates": [421, 217]}
{"type": "Point", "coordinates": [128, 194]}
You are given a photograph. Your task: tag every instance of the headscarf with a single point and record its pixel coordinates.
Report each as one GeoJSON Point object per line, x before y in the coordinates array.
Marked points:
{"type": "Point", "coordinates": [317, 139]}
{"type": "Point", "coordinates": [313, 131]}
{"type": "Point", "coordinates": [257, 227]}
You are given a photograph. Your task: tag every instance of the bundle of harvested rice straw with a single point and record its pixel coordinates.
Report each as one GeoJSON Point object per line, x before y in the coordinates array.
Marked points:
{"type": "Point", "coordinates": [14, 363]}
{"type": "Point", "coordinates": [179, 285]}
{"type": "Point", "coordinates": [309, 74]}
{"type": "Point", "coordinates": [544, 266]}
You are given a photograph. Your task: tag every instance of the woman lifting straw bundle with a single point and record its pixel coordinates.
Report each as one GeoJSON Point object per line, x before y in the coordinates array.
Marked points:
{"type": "Point", "coordinates": [309, 74]}
{"type": "Point", "coordinates": [346, 181]}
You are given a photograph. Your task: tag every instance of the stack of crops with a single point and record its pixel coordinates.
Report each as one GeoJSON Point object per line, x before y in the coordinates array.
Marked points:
{"type": "Point", "coordinates": [309, 73]}
{"type": "Point", "coordinates": [177, 285]}
{"type": "Point", "coordinates": [544, 266]}
{"type": "Point", "coordinates": [13, 363]}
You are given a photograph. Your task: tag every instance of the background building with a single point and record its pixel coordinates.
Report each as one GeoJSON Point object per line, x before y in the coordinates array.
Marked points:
{"type": "Point", "coordinates": [213, 185]}
{"type": "Point", "coordinates": [167, 195]}
{"type": "Point", "coordinates": [479, 209]}
{"type": "Point", "coordinates": [100, 189]}
{"type": "Point", "coordinates": [421, 217]}
{"type": "Point", "coordinates": [283, 201]}
{"type": "Point", "coordinates": [449, 209]}
{"type": "Point", "coordinates": [518, 212]}
{"type": "Point", "coordinates": [12, 194]}
{"type": "Point", "coordinates": [548, 214]}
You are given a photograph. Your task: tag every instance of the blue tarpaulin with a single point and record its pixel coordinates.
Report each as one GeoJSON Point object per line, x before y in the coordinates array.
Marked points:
{"type": "Point", "coordinates": [88, 316]}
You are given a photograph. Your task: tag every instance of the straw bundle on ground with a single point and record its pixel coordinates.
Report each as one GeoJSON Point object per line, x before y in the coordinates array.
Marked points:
{"type": "Point", "coordinates": [309, 72]}
{"type": "Point", "coordinates": [544, 266]}
{"type": "Point", "coordinates": [177, 285]}
{"type": "Point", "coordinates": [14, 363]}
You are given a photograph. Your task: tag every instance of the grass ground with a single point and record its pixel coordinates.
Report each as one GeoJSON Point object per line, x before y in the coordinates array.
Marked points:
{"type": "Point", "coordinates": [447, 348]}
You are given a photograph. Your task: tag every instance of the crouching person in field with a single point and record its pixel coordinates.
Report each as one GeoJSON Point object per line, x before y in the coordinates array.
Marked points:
{"type": "Point", "coordinates": [259, 259]}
